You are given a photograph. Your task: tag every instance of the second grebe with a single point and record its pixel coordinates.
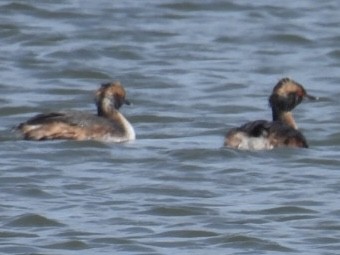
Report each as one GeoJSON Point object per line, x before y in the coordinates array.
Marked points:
{"type": "Point", "coordinates": [108, 125]}
{"type": "Point", "coordinates": [282, 131]}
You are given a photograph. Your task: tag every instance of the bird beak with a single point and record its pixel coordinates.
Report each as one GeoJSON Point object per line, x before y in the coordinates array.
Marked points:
{"type": "Point", "coordinates": [310, 97]}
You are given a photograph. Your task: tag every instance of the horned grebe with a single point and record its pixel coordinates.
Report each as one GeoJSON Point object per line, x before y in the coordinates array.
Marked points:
{"type": "Point", "coordinates": [282, 131]}
{"type": "Point", "coordinates": [108, 125]}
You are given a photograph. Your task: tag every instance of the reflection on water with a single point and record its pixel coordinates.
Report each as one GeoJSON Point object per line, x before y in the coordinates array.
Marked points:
{"type": "Point", "coordinates": [192, 70]}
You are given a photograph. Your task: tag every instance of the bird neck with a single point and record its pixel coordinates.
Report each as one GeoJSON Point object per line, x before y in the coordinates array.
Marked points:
{"type": "Point", "coordinates": [285, 117]}
{"type": "Point", "coordinates": [106, 109]}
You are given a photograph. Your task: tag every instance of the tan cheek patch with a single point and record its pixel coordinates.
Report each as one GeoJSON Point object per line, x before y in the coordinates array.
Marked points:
{"type": "Point", "coordinates": [287, 88]}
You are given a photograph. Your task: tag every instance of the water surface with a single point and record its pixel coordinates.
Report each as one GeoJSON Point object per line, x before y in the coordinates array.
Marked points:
{"type": "Point", "coordinates": [193, 69]}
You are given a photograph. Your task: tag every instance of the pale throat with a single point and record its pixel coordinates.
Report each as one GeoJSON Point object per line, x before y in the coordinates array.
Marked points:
{"type": "Point", "coordinates": [106, 108]}
{"type": "Point", "coordinates": [287, 118]}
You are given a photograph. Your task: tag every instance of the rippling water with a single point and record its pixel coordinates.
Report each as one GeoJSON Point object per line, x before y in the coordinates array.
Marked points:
{"type": "Point", "coordinates": [193, 69]}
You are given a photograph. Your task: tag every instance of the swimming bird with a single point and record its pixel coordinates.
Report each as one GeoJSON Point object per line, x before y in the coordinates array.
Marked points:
{"type": "Point", "coordinates": [109, 125]}
{"type": "Point", "coordinates": [282, 131]}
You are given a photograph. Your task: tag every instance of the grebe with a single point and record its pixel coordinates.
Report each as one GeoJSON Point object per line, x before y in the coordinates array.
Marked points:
{"type": "Point", "coordinates": [108, 125]}
{"type": "Point", "coordinates": [282, 131]}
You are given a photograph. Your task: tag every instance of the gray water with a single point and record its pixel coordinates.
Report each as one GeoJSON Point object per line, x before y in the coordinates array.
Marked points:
{"type": "Point", "coordinates": [193, 69]}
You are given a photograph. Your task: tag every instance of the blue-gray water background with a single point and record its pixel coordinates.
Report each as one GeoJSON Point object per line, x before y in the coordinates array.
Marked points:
{"type": "Point", "coordinates": [193, 69]}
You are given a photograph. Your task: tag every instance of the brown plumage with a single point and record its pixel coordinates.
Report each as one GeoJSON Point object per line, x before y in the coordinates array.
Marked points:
{"type": "Point", "coordinates": [282, 131]}
{"type": "Point", "coordinates": [108, 125]}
